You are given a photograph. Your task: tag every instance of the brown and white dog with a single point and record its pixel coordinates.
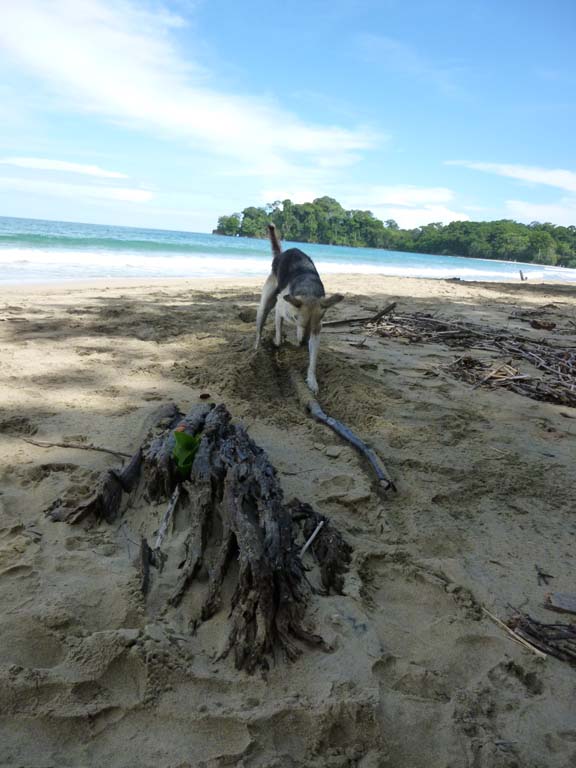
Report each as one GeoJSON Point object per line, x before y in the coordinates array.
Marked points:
{"type": "Point", "coordinates": [295, 287]}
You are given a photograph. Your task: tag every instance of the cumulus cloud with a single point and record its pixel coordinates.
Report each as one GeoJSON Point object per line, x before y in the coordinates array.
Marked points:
{"type": "Point", "coordinates": [44, 164]}
{"type": "Point", "coordinates": [120, 60]}
{"type": "Point", "coordinates": [75, 191]}
{"type": "Point", "coordinates": [563, 212]}
{"type": "Point", "coordinates": [410, 206]}
{"type": "Point", "coordinates": [409, 218]}
{"type": "Point", "coordinates": [555, 177]}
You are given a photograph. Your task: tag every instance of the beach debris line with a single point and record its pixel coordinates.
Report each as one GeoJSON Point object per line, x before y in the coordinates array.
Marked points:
{"type": "Point", "coordinates": [558, 640]}
{"type": "Point", "coordinates": [313, 407]}
{"type": "Point", "coordinates": [555, 363]}
{"type": "Point", "coordinates": [230, 508]}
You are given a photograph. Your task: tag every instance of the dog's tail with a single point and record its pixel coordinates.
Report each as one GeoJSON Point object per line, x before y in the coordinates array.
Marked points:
{"type": "Point", "coordinates": [274, 241]}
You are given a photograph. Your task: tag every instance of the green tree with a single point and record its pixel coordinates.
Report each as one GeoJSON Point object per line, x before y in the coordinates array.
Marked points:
{"type": "Point", "coordinates": [228, 225]}
{"type": "Point", "coordinates": [254, 222]}
{"type": "Point", "coordinates": [324, 220]}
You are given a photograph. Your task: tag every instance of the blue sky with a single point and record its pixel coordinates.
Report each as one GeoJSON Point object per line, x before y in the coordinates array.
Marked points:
{"type": "Point", "coordinates": [168, 114]}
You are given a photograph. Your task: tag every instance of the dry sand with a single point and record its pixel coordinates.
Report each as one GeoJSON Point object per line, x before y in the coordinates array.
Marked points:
{"type": "Point", "coordinates": [419, 677]}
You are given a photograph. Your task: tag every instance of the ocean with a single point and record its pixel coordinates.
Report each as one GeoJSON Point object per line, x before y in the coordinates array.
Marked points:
{"type": "Point", "coordinates": [36, 251]}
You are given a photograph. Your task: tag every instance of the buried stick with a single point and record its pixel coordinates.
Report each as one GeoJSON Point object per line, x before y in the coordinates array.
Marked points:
{"type": "Point", "coordinates": [313, 407]}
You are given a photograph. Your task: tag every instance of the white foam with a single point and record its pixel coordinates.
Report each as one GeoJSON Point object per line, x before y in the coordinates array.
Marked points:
{"type": "Point", "coordinates": [22, 264]}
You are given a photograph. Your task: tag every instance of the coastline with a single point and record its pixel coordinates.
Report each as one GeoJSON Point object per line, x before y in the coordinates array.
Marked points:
{"type": "Point", "coordinates": [366, 283]}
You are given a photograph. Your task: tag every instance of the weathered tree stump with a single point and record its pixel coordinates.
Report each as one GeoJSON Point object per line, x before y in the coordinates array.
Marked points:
{"type": "Point", "coordinates": [235, 509]}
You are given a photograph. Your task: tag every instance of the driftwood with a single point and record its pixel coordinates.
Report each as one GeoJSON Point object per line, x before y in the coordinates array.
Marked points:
{"type": "Point", "coordinates": [557, 640]}
{"type": "Point", "coordinates": [362, 320]}
{"type": "Point", "coordinates": [514, 635]}
{"type": "Point", "coordinates": [233, 482]}
{"type": "Point", "coordinates": [313, 407]}
{"type": "Point", "coordinates": [234, 508]}
{"type": "Point", "coordinates": [104, 504]}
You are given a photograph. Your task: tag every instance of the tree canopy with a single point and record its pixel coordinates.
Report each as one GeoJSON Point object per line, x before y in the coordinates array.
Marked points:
{"type": "Point", "coordinates": [324, 220]}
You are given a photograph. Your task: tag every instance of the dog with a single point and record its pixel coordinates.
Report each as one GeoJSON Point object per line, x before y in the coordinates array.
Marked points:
{"type": "Point", "coordinates": [294, 285]}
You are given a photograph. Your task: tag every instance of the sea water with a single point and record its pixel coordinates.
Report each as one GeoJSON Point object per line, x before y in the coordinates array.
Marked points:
{"type": "Point", "coordinates": [32, 250]}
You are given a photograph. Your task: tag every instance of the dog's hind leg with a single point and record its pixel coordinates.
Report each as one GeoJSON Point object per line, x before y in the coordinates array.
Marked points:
{"type": "Point", "coordinates": [269, 293]}
{"type": "Point", "coordinates": [313, 346]}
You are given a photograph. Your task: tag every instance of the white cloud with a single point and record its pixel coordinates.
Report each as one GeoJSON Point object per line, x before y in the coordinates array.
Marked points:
{"type": "Point", "coordinates": [410, 206]}
{"type": "Point", "coordinates": [409, 218]}
{"type": "Point", "coordinates": [116, 59]}
{"type": "Point", "coordinates": [295, 194]}
{"type": "Point", "coordinates": [43, 164]}
{"type": "Point", "coordinates": [402, 194]}
{"type": "Point", "coordinates": [76, 191]}
{"type": "Point", "coordinates": [557, 177]}
{"type": "Point", "coordinates": [562, 212]}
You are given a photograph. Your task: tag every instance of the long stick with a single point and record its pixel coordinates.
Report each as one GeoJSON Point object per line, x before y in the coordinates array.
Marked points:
{"type": "Point", "coordinates": [313, 407]}
{"type": "Point", "coordinates": [75, 446]}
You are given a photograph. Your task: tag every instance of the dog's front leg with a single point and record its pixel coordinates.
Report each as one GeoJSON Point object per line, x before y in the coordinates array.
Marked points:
{"type": "Point", "coordinates": [279, 321]}
{"type": "Point", "coordinates": [313, 346]}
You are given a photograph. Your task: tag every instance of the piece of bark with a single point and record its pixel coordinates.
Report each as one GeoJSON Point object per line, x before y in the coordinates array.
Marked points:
{"type": "Point", "coordinates": [104, 504]}
{"type": "Point", "coordinates": [562, 602]}
{"type": "Point", "coordinates": [130, 474]}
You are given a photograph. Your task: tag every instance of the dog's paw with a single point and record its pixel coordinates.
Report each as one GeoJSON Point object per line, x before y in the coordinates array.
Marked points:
{"type": "Point", "coordinates": [312, 385]}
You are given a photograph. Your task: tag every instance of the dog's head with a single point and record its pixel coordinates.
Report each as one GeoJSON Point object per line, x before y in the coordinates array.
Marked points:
{"type": "Point", "coordinates": [310, 311]}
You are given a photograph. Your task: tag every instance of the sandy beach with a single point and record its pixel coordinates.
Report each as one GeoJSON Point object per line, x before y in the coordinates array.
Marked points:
{"type": "Point", "coordinates": [93, 675]}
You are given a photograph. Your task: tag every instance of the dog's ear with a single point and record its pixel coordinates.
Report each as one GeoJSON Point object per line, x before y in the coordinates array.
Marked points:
{"type": "Point", "coordinates": [293, 300]}
{"type": "Point", "coordinates": [329, 301]}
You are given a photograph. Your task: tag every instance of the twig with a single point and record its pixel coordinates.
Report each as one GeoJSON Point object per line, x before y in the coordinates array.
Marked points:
{"type": "Point", "coordinates": [513, 634]}
{"type": "Point", "coordinates": [75, 446]}
{"type": "Point", "coordinates": [359, 344]}
{"type": "Point", "coordinates": [488, 376]}
{"type": "Point", "coordinates": [311, 539]}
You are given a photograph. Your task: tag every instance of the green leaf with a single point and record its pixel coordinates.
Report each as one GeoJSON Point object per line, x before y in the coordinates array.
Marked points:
{"type": "Point", "coordinates": [184, 451]}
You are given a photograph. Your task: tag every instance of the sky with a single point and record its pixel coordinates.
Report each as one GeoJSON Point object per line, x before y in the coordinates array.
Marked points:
{"type": "Point", "coordinates": [170, 114]}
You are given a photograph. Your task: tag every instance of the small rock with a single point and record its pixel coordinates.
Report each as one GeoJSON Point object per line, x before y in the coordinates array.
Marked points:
{"type": "Point", "coordinates": [451, 588]}
{"type": "Point", "coordinates": [318, 446]}
{"type": "Point", "coordinates": [333, 451]}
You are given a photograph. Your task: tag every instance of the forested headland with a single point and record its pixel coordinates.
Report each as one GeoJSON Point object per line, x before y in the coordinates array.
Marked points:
{"type": "Point", "coordinates": [325, 221]}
